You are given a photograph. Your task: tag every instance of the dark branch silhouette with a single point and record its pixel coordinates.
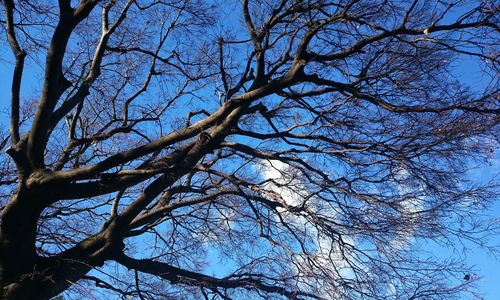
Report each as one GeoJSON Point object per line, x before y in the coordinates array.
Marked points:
{"type": "Point", "coordinates": [302, 149]}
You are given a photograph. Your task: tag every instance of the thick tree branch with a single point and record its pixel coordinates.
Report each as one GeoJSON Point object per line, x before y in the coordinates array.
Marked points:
{"type": "Point", "coordinates": [54, 83]}
{"type": "Point", "coordinates": [176, 275]}
{"type": "Point", "coordinates": [20, 54]}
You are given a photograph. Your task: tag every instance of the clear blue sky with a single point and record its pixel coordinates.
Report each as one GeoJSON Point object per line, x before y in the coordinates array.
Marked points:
{"type": "Point", "coordinates": [488, 266]}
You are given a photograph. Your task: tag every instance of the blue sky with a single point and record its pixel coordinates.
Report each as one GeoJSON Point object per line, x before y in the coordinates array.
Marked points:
{"type": "Point", "coordinates": [487, 266]}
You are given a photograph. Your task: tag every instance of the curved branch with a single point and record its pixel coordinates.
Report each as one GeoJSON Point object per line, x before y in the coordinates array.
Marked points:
{"type": "Point", "coordinates": [177, 275]}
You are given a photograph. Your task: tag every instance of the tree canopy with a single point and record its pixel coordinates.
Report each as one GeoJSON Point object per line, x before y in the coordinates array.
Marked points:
{"type": "Point", "coordinates": [174, 149]}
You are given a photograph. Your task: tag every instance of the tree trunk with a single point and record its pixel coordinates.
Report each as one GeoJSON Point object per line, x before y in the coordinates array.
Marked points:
{"type": "Point", "coordinates": [48, 278]}
{"type": "Point", "coordinates": [24, 274]}
{"type": "Point", "coordinates": [17, 240]}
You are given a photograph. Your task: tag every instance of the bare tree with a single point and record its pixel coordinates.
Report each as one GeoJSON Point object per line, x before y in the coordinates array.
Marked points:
{"type": "Point", "coordinates": [273, 149]}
